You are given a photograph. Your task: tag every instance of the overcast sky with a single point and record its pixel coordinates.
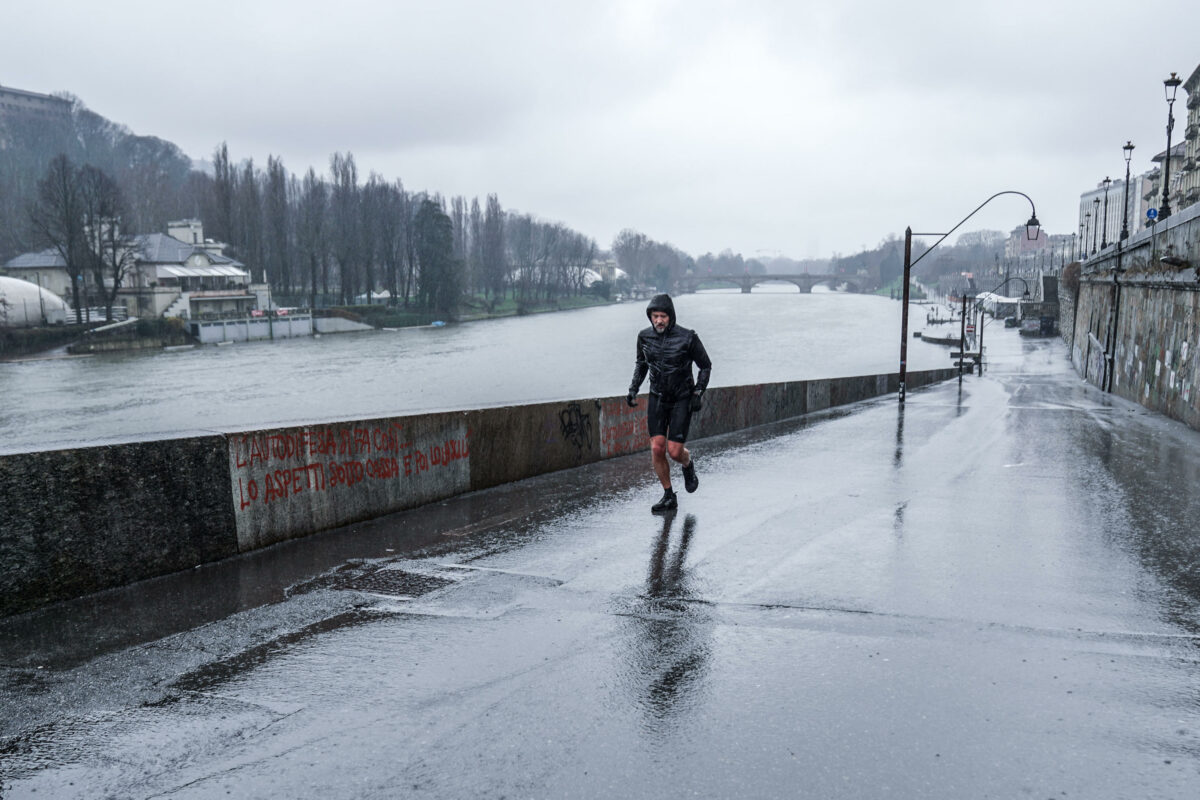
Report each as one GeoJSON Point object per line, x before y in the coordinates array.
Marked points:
{"type": "Point", "coordinates": [793, 128]}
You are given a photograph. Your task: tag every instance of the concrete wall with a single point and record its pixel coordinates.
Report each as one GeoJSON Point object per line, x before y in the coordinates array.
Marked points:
{"type": "Point", "coordinates": [80, 520]}
{"type": "Point", "coordinates": [1135, 324]}
{"type": "Point", "coordinates": [339, 325]}
{"type": "Point", "coordinates": [250, 328]}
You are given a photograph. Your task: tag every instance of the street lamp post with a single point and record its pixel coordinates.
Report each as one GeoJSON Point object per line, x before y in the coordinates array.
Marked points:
{"type": "Point", "coordinates": [1128, 148]}
{"type": "Point", "coordinates": [1104, 225]}
{"type": "Point", "coordinates": [1170, 85]}
{"type": "Point", "coordinates": [1087, 229]}
{"type": "Point", "coordinates": [1095, 222]}
{"type": "Point", "coordinates": [1031, 232]}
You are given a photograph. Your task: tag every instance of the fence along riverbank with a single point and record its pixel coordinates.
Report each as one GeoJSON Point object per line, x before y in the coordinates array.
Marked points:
{"type": "Point", "coordinates": [85, 519]}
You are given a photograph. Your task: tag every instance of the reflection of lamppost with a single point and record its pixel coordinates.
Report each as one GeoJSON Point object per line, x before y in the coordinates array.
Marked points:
{"type": "Point", "coordinates": [1128, 148]}
{"type": "Point", "coordinates": [1104, 225]}
{"type": "Point", "coordinates": [1032, 229]}
{"type": "Point", "coordinates": [1095, 222]}
{"type": "Point", "coordinates": [982, 321]}
{"type": "Point", "coordinates": [1170, 85]}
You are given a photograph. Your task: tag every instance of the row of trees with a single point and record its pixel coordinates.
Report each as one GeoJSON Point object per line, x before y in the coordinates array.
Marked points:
{"type": "Point", "coordinates": [338, 236]}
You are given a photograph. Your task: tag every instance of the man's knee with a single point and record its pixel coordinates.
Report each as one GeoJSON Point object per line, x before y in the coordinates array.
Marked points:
{"type": "Point", "coordinates": [658, 447]}
{"type": "Point", "coordinates": [675, 450]}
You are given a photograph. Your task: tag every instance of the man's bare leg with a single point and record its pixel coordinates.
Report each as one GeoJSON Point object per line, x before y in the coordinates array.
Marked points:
{"type": "Point", "coordinates": [679, 453]}
{"type": "Point", "coordinates": [658, 457]}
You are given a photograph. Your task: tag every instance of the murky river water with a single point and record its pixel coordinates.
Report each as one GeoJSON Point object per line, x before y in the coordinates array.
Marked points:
{"type": "Point", "coordinates": [761, 337]}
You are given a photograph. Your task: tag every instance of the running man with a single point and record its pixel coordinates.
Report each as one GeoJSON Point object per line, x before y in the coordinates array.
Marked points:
{"type": "Point", "coordinates": [667, 351]}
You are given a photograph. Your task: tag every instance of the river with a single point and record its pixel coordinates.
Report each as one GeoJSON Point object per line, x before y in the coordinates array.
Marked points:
{"type": "Point", "coordinates": [774, 334]}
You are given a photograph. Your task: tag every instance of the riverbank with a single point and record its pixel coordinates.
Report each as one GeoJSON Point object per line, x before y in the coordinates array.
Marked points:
{"type": "Point", "coordinates": [19, 344]}
{"type": "Point", "coordinates": [473, 309]}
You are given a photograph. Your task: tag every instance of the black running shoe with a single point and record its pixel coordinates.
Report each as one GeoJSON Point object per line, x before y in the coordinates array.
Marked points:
{"type": "Point", "coordinates": [690, 481]}
{"type": "Point", "coordinates": [668, 503]}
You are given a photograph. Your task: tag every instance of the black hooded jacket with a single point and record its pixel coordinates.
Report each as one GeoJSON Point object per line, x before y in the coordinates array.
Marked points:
{"type": "Point", "coordinates": [668, 357]}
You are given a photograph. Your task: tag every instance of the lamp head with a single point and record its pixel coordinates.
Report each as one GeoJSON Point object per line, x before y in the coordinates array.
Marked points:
{"type": "Point", "coordinates": [1170, 86]}
{"type": "Point", "coordinates": [1128, 148]}
{"type": "Point", "coordinates": [1107, 181]}
{"type": "Point", "coordinates": [1032, 228]}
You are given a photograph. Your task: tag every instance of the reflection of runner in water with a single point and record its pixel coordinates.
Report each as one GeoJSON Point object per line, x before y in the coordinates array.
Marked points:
{"type": "Point", "coordinates": [670, 656]}
{"type": "Point", "coordinates": [667, 351]}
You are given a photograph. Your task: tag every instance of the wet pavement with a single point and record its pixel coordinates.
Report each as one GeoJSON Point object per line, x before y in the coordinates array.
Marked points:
{"type": "Point", "coordinates": [990, 592]}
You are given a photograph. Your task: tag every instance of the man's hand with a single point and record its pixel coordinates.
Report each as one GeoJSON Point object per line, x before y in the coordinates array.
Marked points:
{"type": "Point", "coordinates": [631, 398]}
{"type": "Point", "coordinates": [697, 401]}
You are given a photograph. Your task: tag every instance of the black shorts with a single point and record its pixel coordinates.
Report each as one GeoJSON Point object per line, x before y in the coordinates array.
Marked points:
{"type": "Point", "coordinates": [669, 418]}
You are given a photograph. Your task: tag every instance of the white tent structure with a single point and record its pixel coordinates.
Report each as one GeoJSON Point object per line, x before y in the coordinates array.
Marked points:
{"type": "Point", "coordinates": [27, 305]}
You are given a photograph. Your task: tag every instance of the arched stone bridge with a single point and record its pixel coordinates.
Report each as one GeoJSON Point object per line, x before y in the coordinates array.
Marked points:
{"type": "Point", "coordinates": [805, 281]}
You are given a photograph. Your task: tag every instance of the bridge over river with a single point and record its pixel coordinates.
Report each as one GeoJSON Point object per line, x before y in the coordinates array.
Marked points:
{"type": "Point", "coordinates": [805, 281]}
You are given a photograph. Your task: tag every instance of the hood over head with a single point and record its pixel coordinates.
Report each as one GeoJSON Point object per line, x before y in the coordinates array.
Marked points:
{"type": "Point", "coordinates": [662, 302]}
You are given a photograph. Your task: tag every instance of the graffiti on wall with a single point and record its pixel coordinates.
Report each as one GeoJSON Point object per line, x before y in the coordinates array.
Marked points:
{"type": "Point", "coordinates": [576, 426]}
{"type": "Point", "coordinates": [622, 429]}
{"type": "Point", "coordinates": [272, 467]}
{"type": "Point", "coordinates": [291, 482]}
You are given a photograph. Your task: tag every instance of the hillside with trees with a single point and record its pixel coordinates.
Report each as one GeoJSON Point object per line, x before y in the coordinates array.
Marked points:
{"type": "Point", "coordinates": [317, 240]}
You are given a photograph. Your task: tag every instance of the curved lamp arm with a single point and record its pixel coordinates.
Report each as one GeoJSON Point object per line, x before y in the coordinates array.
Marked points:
{"type": "Point", "coordinates": [1033, 221]}
{"type": "Point", "coordinates": [1006, 280]}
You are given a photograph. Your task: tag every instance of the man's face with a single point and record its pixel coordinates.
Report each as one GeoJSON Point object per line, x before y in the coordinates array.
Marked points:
{"type": "Point", "coordinates": [660, 320]}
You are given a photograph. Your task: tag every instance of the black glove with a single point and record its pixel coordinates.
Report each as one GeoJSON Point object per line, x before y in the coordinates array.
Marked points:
{"type": "Point", "coordinates": [631, 398]}
{"type": "Point", "coordinates": [697, 401]}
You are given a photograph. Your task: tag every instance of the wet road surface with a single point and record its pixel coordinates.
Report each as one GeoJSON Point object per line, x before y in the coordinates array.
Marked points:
{"type": "Point", "coordinates": [992, 592]}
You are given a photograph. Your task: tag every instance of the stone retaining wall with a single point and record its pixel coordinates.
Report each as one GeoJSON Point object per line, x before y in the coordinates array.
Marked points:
{"type": "Point", "coordinates": [80, 520]}
{"type": "Point", "coordinates": [1135, 322]}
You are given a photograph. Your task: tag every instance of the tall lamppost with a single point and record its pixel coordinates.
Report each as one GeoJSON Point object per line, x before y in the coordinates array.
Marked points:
{"type": "Point", "coordinates": [1095, 222]}
{"type": "Point", "coordinates": [1087, 229]}
{"type": "Point", "coordinates": [1032, 228]}
{"type": "Point", "coordinates": [1128, 148]}
{"type": "Point", "coordinates": [1104, 225]}
{"type": "Point", "coordinates": [1170, 85]}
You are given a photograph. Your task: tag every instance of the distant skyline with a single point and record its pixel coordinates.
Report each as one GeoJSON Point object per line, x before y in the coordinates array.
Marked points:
{"type": "Point", "coordinates": [799, 129]}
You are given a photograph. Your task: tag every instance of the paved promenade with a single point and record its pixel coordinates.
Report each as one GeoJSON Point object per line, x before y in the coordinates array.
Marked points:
{"type": "Point", "coordinates": [991, 591]}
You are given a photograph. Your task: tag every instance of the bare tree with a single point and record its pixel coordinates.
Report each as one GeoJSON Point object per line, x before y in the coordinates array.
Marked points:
{"type": "Point", "coordinates": [224, 181]}
{"type": "Point", "coordinates": [346, 231]}
{"type": "Point", "coordinates": [392, 235]}
{"type": "Point", "coordinates": [110, 254]}
{"type": "Point", "coordinates": [56, 220]}
{"type": "Point", "coordinates": [493, 250]}
{"type": "Point", "coordinates": [630, 248]}
{"type": "Point", "coordinates": [248, 219]}
{"type": "Point", "coordinates": [278, 224]}
{"type": "Point", "coordinates": [311, 230]}
{"type": "Point", "coordinates": [477, 280]}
